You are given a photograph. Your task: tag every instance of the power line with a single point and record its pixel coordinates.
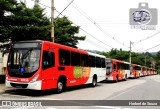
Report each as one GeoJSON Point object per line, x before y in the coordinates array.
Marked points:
{"type": "Point", "coordinates": [96, 38]}
{"type": "Point", "coordinates": [90, 34]}
{"type": "Point", "coordinates": [134, 46]}
{"type": "Point", "coordinates": [147, 37]}
{"type": "Point", "coordinates": [87, 32]}
{"type": "Point", "coordinates": [94, 43]}
{"type": "Point", "coordinates": [60, 13]}
{"type": "Point", "coordinates": [96, 24]}
{"type": "Point", "coordinates": [42, 4]}
{"type": "Point", "coordinates": [57, 12]}
{"type": "Point", "coordinates": [152, 47]}
{"type": "Point", "coordinates": [65, 8]}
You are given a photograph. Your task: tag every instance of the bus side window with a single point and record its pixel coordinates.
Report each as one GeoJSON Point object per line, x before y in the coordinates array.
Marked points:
{"type": "Point", "coordinates": [98, 62]}
{"type": "Point", "coordinates": [92, 61]}
{"type": "Point", "coordinates": [64, 57]}
{"type": "Point", "coordinates": [75, 59]}
{"type": "Point", "coordinates": [62, 61]}
{"type": "Point", "coordinates": [48, 60]}
{"type": "Point", "coordinates": [84, 60]}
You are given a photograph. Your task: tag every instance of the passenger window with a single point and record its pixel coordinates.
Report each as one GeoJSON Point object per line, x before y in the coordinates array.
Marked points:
{"type": "Point", "coordinates": [75, 59]}
{"type": "Point", "coordinates": [92, 61]}
{"type": "Point", "coordinates": [98, 62]}
{"type": "Point", "coordinates": [84, 60]}
{"type": "Point", "coordinates": [48, 59]}
{"type": "Point", "coordinates": [64, 57]}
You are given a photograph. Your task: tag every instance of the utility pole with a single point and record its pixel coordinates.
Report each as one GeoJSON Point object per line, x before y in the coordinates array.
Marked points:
{"type": "Point", "coordinates": [130, 56]}
{"type": "Point", "coordinates": [52, 20]}
{"type": "Point", "coordinates": [145, 60]}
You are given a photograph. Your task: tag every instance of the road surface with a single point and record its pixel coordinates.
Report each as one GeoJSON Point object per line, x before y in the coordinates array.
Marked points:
{"type": "Point", "coordinates": [79, 97]}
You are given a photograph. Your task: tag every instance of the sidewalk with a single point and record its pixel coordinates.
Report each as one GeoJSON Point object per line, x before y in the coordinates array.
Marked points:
{"type": "Point", "coordinates": [2, 88]}
{"type": "Point", "coordinates": [2, 84]}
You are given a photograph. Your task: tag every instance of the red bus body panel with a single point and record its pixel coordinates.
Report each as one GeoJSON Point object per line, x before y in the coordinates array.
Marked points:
{"type": "Point", "coordinates": [116, 72]}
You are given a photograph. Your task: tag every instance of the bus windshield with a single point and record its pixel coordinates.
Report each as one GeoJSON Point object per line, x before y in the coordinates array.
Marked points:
{"type": "Point", "coordinates": [23, 62]}
{"type": "Point", "coordinates": [108, 66]}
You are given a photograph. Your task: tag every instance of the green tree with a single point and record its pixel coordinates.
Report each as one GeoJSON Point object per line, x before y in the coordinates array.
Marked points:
{"type": "Point", "coordinates": [7, 7]}
{"type": "Point", "coordinates": [157, 58]}
{"type": "Point", "coordinates": [118, 54]}
{"type": "Point", "coordinates": [66, 33]}
{"type": "Point", "coordinates": [18, 22]}
{"type": "Point", "coordinates": [30, 24]}
{"type": "Point", "coordinates": [137, 58]}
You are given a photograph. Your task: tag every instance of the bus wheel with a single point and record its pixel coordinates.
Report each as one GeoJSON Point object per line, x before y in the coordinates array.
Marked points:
{"type": "Point", "coordinates": [60, 86]}
{"type": "Point", "coordinates": [116, 79]}
{"type": "Point", "coordinates": [94, 81]}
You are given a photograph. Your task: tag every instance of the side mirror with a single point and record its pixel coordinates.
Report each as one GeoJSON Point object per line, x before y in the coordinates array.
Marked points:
{"type": "Point", "coordinates": [9, 63]}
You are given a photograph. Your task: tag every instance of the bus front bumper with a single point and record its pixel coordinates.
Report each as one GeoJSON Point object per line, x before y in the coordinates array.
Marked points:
{"type": "Point", "coordinates": [109, 78]}
{"type": "Point", "coordinates": [19, 85]}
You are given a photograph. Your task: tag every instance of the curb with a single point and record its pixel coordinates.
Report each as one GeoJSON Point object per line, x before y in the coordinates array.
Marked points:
{"type": "Point", "coordinates": [5, 90]}
{"type": "Point", "coordinates": [2, 88]}
{"type": "Point", "coordinates": [2, 91]}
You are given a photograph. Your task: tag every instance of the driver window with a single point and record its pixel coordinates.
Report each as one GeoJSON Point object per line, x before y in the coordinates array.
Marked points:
{"type": "Point", "coordinates": [48, 59]}
{"type": "Point", "coordinates": [114, 67]}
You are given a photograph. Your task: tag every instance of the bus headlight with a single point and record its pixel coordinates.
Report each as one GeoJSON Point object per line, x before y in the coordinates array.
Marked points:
{"type": "Point", "coordinates": [6, 77]}
{"type": "Point", "coordinates": [35, 78]}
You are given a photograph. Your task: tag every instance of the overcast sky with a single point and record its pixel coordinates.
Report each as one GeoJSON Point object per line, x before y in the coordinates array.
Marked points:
{"type": "Point", "coordinates": [106, 23]}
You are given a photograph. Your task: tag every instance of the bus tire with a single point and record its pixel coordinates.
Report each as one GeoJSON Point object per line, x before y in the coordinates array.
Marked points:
{"type": "Point", "coordinates": [125, 78]}
{"type": "Point", "coordinates": [60, 86]}
{"type": "Point", "coordinates": [134, 76]}
{"type": "Point", "coordinates": [94, 81]}
{"type": "Point", "coordinates": [116, 79]}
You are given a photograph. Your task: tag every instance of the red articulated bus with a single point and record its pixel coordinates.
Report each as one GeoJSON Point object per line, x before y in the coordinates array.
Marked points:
{"type": "Point", "coordinates": [117, 70]}
{"type": "Point", "coordinates": [135, 71]}
{"type": "Point", "coordinates": [41, 65]}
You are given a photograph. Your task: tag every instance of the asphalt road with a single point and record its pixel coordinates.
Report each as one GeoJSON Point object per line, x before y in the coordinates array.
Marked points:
{"type": "Point", "coordinates": [124, 94]}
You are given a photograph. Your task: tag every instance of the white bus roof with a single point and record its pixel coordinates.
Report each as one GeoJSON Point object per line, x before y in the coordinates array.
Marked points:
{"type": "Point", "coordinates": [94, 54]}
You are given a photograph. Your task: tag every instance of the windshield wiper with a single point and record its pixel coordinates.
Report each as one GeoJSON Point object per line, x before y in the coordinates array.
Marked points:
{"type": "Point", "coordinates": [26, 54]}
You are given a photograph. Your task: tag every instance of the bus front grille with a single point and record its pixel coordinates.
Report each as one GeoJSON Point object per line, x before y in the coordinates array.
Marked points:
{"type": "Point", "coordinates": [19, 85]}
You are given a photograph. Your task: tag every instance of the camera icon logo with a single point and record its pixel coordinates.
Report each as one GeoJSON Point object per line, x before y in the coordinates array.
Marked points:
{"type": "Point", "coordinates": [6, 103]}
{"type": "Point", "coordinates": [143, 15]}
